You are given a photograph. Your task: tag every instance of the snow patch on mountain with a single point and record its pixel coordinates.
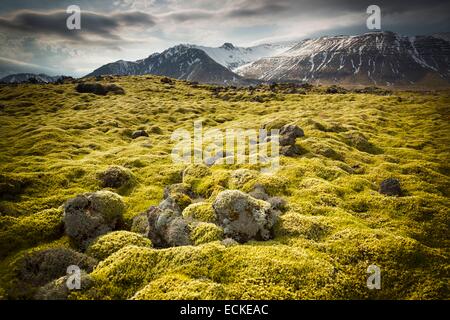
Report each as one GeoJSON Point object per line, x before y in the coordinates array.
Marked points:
{"type": "Point", "coordinates": [235, 57]}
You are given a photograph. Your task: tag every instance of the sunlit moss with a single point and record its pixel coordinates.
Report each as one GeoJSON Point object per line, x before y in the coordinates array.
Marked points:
{"type": "Point", "coordinates": [109, 243]}
{"type": "Point", "coordinates": [54, 142]}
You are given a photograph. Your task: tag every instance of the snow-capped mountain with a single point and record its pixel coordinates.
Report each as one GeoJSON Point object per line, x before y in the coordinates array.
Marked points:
{"type": "Point", "coordinates": [29, 77]}
{"type": "Point", "coordinates": [380, 58]}
{"type": "Point", "coordinates": [234, 57]}
{"type": "Point", "coordinates": [183, 62]}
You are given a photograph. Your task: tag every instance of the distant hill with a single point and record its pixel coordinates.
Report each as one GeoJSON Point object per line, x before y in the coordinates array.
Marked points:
{"type": "Point", "coordinates": [30, 78]}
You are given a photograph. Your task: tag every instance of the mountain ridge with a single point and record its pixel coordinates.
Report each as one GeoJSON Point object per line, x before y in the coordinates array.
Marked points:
{"type": "Point", "coordinates": [376, 58]}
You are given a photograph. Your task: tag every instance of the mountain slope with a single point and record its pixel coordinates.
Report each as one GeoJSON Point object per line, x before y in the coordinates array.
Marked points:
{"type": "Point", "coordinates": [233, 57]}
{"type": "Point", "coordinates": [373, 58]}
{"type": "Point", "coordinates": [182, 62]}
{"type": "Point", "coordinates": [29, 77]}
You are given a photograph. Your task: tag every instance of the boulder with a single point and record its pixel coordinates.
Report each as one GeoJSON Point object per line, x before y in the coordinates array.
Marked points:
{"type": "Point", "coordinates": [243, 217]}
{"type": "Point", "coordinates": [390, 187]}
{"type": "Point", "coordinates": [290, 150]}
{"type": "Point", "coordinates": [115, 177]}
{"type": "Point", "coordinates": [99, 89]}
{"type": "Point", "coordinates": [139, 133]}
{"type": "Point", "coordinates": [289, 133]}
{"type": "Point", "coordinates": [164, 227]}
{"type": "Point", "coordinates": [58, 290]}
{"type": "Point", "coordinates": [40, 267]}
{"type": "Point", "coordinates": [90, 215]}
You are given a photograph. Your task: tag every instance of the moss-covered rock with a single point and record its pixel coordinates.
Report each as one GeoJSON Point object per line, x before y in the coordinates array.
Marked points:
{"type": "Point", "coordinates": [116, 177]}
{"type": "Point", "coordinates": [193, 174]}
{"type": "Point", "coordinates": [58, 290]}
{"type": "Point", "coordinates": [164, 227]}
{"type": "Point", "coordinates": [205, 232]}
{"type": "Point", "coordinates": [111, 242]}
{"type": "Point", "coordinates": [92, 214]}
{"type": "Point", "coordinates": [243, 217]}
{"type": "Point", "coordinates": [38, 268]}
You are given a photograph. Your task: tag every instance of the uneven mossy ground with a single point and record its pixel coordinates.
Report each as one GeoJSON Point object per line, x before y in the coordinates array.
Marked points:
{"type": "Point", "coordinates": [55, 142]}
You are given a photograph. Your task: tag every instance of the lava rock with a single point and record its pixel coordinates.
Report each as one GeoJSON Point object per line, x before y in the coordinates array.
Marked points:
{"type": "Point", "coordinates": [243, 217]}
{"type": "Point", "coordinates": [115, 177]}
{"type": "Point", "coordinates": [58, 290]}
{"type": "Point", "coordinates": [289, 133]}
{"type": "Point", "coordinates": [40, 267]}
{"type": "Point", "coordinates": [90, 215]}
{"type": "Point", "coordinates": [390, 187]}
{"type": "Point", "coordinates": [99, 89]}
{"type": "Point", "coordinates": [139, 133]}
{"type": "Point", "coordinates": [290, 151]}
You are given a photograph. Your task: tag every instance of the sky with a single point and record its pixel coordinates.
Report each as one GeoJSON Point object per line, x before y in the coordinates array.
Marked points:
{"type": "Point", "coordinates": [34, 36]}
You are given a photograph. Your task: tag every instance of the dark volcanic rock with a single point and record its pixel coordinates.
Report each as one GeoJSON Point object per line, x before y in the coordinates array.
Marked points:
{"type": "Point", "coordinates": [390, 187]}
{"type": "Point", "coordinates": [114, 177]}
{"type": "Point", "coordinates": [139, 133]}
{"type": "Point", "coordinates": [99, 89]}
{"type": "Point", "coordinates": [90, 215]}
{"type": "Point", "coordinates": [289, 133]}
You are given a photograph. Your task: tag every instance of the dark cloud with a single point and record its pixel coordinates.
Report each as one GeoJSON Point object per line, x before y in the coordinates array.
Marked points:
{"type": "Point", "coordinates": [189, 15]}
{"type": "Point", "coordinates": [111, 31]}
{"type": "Point", "coordinates": [288, 8]}
{"type": "Point", "coordinates": [252, 10]}
{"type": "Point", "coordinates": [54, 24]}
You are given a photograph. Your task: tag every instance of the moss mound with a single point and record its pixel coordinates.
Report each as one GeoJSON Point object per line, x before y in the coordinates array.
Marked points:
{"type": "Point", "coordinates": [23, 232]}
{"type": "Point", "coordinates": [109, 243]}
{"type": "Point", "coordinates": [180, 287]}
{"type": "Point", "coordinates": [204, 232]}
{"type": "Point", "coordinates": [201, 211]}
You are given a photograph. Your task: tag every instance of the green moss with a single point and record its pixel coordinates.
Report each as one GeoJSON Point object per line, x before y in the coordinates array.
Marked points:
{"type": "Point", "coordinates": [180, 287]}
{"type": "Point", "coordinates": [111, 242]}
{"type": "Point", "coordinates": [109, 204]}
{"type": "Point", "coordinates": [23, 232]}
{"type": "Point", "coordinates": [335, 225]}
{"type": "Point", "coordinates": [204, 232]}
{"type": "Point", "coordinates": [182, 200]}
{"type": "Point", "coordinates": [201, 211]}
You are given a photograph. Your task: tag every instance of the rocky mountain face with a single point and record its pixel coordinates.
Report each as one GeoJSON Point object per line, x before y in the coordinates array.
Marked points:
{"type": "Point", "coordinates": [382, 58]}
{"type": "Point", "coordinates": [182, 62]}
{"type": "Point", "coordinates": [235, 57]}
{"type": "Point", "coordinates": [30, 78]}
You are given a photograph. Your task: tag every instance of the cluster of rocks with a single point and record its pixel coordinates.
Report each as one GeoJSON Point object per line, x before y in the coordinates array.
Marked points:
{"type": "Point", "coordinates": [99, 89]}
{"type": "Point", "coordinates": [238, 215]}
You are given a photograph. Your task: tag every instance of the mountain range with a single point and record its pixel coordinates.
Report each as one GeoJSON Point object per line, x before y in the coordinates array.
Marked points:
{"type": "Point", "coordinates": [373, 59]}
{"type": "Point", "coordinates": [376, 58]}
{"type": "Point", "coordinates": [30, 77]}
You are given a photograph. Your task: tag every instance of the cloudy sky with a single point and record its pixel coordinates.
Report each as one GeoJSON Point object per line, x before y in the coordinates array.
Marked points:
{"type": "Point", "coordinates": [35, 38]}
